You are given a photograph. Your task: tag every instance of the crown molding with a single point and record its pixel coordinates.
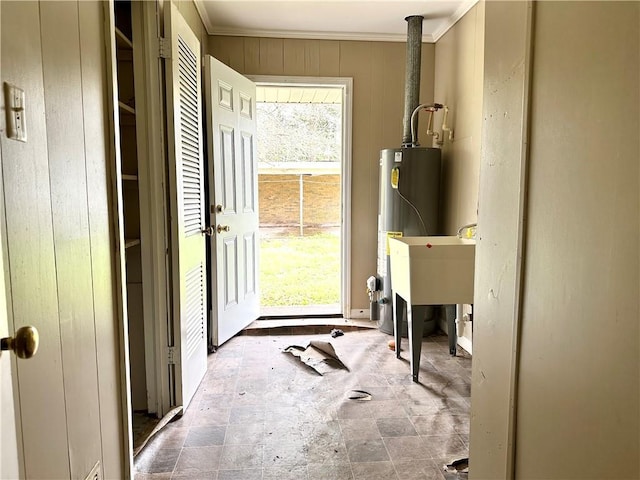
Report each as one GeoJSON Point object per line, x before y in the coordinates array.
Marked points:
{"type": "Point", "coordinates": [204, 16]}
{"type": "Point", "coordinates": [310, 35]}
{"type": "Point", "coordinates": [453, 19]}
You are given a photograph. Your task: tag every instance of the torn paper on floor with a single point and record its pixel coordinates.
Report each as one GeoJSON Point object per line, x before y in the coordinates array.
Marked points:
{"type": "Point", "coordinates": [359, 395]}
{"type": "Point", "coordinates": [318, 355]}
{"type": "Point", "coordinates": [457, 466]}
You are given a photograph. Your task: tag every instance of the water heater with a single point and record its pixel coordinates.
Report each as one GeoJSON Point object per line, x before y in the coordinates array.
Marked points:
{"type": "Point", "coordinates": [409, 201]}
{"type": "Point", "coordinates": [409, 191]}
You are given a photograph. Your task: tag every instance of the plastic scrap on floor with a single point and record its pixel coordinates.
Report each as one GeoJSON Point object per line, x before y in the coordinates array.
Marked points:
{"type": "Point", "coordinates": [359, 395]}
{"type": "Point", "coordinates": [336, 332]}
{"type": "Point", "coordinates": [457, 466]}
{"type": "Point", "coordinates": [320, 356]}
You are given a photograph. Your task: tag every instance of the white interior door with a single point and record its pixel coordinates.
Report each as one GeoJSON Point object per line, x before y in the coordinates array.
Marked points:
{"type": "Point", "coordinates": [59, 238]}
{"type": "Point", "coordinates": [233, 180]}
{"type": "Point", "coordinates": [31, 273]}
{"type": "Point", "coordinates": [184, 138]}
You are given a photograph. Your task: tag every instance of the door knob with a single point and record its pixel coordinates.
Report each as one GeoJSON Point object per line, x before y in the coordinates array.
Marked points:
{"type": "Point", "coordinates": [219, 208]}
{"type": "Point", "coordinates": [24, 344]}
{"type": "Point", "coordinates": [209, 231]}
{"type": "Point", "coordinates": [223, 228]}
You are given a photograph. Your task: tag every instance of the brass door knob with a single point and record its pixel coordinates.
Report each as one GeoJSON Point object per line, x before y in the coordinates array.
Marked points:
{"type": "Point", "coordinates": [24, 344]}
{"type": "Point", "coordinates": [219, 208]}
{"type": "Point", "coordinates": [223, 228]}
{"type": "Point", "coordinates": [209, 231]}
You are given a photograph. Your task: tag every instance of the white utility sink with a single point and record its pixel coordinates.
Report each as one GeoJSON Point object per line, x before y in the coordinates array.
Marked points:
{"type": "Point", "coordinates": [433, 270]}
{"type": "Point", "coordinates": [429, 271]}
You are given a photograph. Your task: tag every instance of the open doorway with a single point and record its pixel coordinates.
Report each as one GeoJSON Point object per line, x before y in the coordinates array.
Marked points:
{"type": "Point", "coordinates": [302, 140]}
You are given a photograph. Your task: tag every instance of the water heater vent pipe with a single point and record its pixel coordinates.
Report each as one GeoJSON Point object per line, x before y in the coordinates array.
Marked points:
{"type": "Point", "coordinates": [412, 74]}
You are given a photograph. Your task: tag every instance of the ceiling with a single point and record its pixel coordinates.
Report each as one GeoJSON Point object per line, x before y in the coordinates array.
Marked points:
{"type": "Point", "coordinates": [371, 20]}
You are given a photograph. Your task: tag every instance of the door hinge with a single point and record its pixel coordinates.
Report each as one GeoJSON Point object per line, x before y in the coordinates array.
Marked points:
{"type": "Point", "coordinates": [164, 48]}
{"type": "Point", "coordinates": [171, 355]}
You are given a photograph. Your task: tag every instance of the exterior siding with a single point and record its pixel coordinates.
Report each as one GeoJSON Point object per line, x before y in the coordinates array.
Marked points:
{"type": "Point", "coordinates": [280, 200]}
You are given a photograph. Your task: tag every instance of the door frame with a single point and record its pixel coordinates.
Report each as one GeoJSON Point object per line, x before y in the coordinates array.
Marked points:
{"type": "Point", "coordinates": [154, 181]}
{"type": "Point", "coordinates": [153, 197]}
{"type": "Point", "coordinates": [117, 204]}
{"type": "Point", "coordinates": [346, 84]}
{"type": "Point", "coordinates": [153, 177]}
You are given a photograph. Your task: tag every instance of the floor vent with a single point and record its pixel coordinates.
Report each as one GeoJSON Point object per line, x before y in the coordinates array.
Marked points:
{"type": "Point", "coordinates": [96, 472]}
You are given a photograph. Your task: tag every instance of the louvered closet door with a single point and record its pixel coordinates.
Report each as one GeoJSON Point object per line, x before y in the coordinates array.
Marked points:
{"type": "Point", "coordinates": [188, 333]}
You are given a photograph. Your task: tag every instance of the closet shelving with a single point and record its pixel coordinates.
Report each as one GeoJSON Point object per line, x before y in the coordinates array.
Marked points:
{"type": "Point", "coordinates": [130, 148]}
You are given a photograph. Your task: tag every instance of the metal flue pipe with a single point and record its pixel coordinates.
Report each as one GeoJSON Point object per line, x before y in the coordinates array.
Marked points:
{"type": "Point", "coordinates": [412, 78]}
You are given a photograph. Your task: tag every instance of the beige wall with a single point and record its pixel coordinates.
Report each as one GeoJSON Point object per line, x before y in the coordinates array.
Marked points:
{"type": "Point", "coordinates": [188, 10]}
{"type": "Point", "coordinates": [497, 274]}
{"type": "Point", "coordinates": [578, 397]}
{"type": "Point", "coordinates": [458, 84]}
{"type": "Point", "coordinates": [377, 69]}
{"type": "Point", "coordinates": [574, 317]}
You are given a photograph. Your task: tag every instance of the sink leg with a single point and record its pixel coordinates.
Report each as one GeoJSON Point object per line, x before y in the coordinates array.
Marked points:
{"type": "Point", "coordinates": [415, 341]}
{"type": "Point", "coordinates": [396, 323]}
{"type": "Point", "coordinates": [451, 312]}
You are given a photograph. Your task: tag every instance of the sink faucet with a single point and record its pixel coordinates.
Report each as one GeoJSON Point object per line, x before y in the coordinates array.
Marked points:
{"type": "Point", "coordinates": [470, 228]}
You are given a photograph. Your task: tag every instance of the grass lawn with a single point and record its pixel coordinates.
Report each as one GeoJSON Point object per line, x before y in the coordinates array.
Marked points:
{"type": "Point", "coordinates": [300, 270]}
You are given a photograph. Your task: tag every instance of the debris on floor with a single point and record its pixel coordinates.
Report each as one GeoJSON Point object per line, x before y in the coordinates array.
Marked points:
{"type": "Point", "coordinates": [336, 332]}
{"type": "Point", "coordinates": [293, 415]}
{"type": "Point", "coordinates": [359, 395]}
{"type": "Point", "coordinates": [457, 466]}
{"type": "Point", "coordinates": [159, 426]}
{"type": "Point", "coordinates": [318, 355]}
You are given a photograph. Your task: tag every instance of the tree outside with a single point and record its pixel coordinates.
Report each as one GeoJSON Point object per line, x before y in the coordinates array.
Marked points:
{"type": "Point", "coordinates": [299, 132]}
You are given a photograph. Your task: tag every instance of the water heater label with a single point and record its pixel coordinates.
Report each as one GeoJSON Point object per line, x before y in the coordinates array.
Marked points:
{"type": "Point", "coordinates": [397, 157]}
{"type": "Point", "coordinates": [392, 235]}
{"type": "Point", "coordinates": [395, 177]}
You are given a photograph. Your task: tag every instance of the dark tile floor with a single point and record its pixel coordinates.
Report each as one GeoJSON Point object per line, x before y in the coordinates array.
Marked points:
{"type": "Point", "coordinates": [261, 414]}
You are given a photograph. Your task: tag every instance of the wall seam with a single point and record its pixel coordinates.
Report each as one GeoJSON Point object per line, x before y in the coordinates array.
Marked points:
{"type": "Point", "coordinates": [91, 253]}
{"type": "Point", "coordinates": [522, 242]}
{"type": "Point", "coordinates": [55, 256]}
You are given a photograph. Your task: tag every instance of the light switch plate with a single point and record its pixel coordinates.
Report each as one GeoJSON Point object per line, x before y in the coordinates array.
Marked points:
{"type": "Point", "coordinates": [14, 101]}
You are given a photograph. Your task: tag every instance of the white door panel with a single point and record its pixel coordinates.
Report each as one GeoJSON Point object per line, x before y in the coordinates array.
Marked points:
{"type": "Point", "coordinates": [233, 180]}
{"type": "Point", "coordinates": [187, 209]}
{"type": "Point", "coordinates": [250, 248]}
{"type": "Point", "coordinates": [228, 165]}
{"type": "Point", "coordinates": [248, 174]}
{"type": "Point", "coordinates": [230, 268]}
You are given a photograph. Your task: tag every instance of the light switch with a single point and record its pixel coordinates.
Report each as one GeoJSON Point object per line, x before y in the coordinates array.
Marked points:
{"type": "Point", "coordinates": [16, 118]}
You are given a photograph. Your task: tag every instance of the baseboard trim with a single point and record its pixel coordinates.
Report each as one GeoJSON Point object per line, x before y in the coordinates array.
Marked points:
{"type": "Point", "coordinates": [465, 344]}
{"type": "Point", "coordinates": [359, 313]}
